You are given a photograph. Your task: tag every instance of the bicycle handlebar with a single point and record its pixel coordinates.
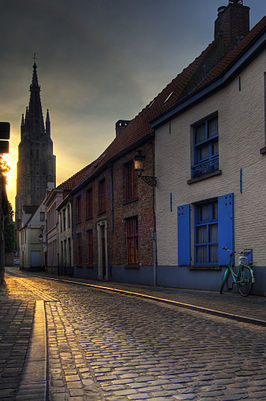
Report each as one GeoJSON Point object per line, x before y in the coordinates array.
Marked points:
{"type": "Point", "coordinates": [237, 253]}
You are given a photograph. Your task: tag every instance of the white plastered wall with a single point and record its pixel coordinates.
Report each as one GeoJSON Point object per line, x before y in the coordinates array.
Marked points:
{"type": "Point", "coordinates": [241, 122]}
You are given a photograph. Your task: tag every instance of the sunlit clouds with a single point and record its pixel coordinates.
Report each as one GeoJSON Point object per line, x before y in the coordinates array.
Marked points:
{"type": "Point", "coordinates": [98, 61]}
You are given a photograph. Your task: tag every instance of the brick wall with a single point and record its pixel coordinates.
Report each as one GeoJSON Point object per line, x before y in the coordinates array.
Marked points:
{"type": "Point", "coordinates": [141, 207]}
{"type": "Point", "coordinates": [116, 226]}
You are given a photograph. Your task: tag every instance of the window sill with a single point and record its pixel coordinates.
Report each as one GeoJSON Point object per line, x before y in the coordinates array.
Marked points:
{"type": "Point", "coordinates": [204, 177]}
{"type": "Point", "coordinates": [263, 151]}
{"type": "Point", "coordinates": [133, 267]}
{"type": "Point", "coordinates": [130, 201]}
{"type": "Point", "coordinates": [204, 268]}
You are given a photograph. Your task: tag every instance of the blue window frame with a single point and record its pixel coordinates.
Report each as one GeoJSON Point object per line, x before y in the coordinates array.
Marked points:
{"type": "Point", "coordinates": [206, 233]}
{"type": "Point", "coordinates": [213, 230]}
{"type": "Point", "coordinates": [205, 144]}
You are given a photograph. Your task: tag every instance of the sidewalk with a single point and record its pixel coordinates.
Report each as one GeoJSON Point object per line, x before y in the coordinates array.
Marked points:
{"type": "Point", "coordinates": [252, 307]}
{"type": "Point", "coordinates": [16, 321]}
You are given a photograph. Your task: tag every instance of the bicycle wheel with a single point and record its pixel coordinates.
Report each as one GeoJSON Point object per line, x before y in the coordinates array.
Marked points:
{"type": "Point", "coordinates": [245, 281]}
{"type": "Point", "coordinates": [224, 280]}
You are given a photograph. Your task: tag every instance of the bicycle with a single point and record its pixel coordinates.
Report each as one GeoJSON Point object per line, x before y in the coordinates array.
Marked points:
{"type": "Point", "coordinates": [244, 277]}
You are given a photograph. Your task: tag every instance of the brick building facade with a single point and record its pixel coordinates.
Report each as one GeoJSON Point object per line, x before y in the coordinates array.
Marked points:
{"type": "Point", "coordinates": [113, 220]}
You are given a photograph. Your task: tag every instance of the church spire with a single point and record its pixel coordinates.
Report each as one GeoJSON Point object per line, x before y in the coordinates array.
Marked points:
{"type": "Point", "coordinates": [36, 124]}
{"type": "Point", "coordinates": [48, 124]}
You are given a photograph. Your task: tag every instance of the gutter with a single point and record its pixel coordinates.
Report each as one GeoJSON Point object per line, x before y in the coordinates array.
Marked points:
{"type": "Point", "coordinates": [260, 43]}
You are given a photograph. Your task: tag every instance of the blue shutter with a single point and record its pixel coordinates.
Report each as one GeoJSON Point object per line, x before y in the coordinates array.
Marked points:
{"type": "Point", "coordinates": [225, 227]}
{"type": "Point", "coordinates": [184, 235]}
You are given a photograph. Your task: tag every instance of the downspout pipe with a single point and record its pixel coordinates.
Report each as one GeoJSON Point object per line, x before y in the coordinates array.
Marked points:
{"type": "Point", "coordinates": [154, 224]}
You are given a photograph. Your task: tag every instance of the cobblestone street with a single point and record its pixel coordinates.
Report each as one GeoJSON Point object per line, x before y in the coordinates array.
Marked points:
{"type": "Point", "coordinates": [106, 346]}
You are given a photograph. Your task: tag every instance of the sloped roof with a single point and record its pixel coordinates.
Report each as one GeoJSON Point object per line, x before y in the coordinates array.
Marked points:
{"type": "Point", "coordinates": [174, 93]}
{"type": "Point", "coordinates": [73, 181]}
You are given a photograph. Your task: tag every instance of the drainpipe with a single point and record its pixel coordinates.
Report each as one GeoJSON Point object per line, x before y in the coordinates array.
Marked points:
{"type": "Point", "coordinates": [154, 222]}
{"type": "Point", "coordinates": [154, 259]}
{"type": "Point", "coordinates": [112, 198]}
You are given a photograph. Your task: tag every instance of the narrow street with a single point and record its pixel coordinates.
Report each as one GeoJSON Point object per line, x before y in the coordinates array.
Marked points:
{"type": "Point", "coordinates": [108, 346]}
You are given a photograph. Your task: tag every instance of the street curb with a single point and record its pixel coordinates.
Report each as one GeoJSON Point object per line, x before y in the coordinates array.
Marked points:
{"type": "Point", "coordinates": [34, 383]}
{"type": "Point", "coordinates": [214, 312]}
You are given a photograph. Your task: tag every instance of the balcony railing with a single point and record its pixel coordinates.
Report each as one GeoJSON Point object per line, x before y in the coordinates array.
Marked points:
{"type": "Point", "coordinates": [206, 167]}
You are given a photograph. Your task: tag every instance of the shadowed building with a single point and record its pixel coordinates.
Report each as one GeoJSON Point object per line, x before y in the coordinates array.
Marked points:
{"type": "Point", "coordinates": [36, 162]}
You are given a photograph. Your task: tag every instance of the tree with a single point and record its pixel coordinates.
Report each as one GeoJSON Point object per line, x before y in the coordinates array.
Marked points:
{"type": "Point", "coordinates": [9, 230]}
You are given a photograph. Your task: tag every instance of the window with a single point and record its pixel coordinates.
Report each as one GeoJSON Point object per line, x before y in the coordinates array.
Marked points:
{"type": "Point", "coordinates": [61, 222]}
{"type": "Point", "coordinates": [89, 210]}
{"type": "Point", "coordinates": [206, 233]}
{"type": "Point", "coordinates": [69, 251]}
{"type": "Point", "coordinates": [129, 181]}
{"type": "Point", "coordinates": [62, 253]}
{"type": "Point", "coordinates": [101, 196]}
{"type": "Point", "coordinates": [65, 251]}
{"type": "Point", "coordinates": [68, 216]}
{"type": "Point", "coordinates": [42, 216]}
{"type": "Point", "coordinates": [213, 230]}
{"type": "Point", "coordinates": [206, 153]}
{"type": "Point", "coordinates": [78, 209]}
{"type": "Point", "coordinates": [90, 247]}
{"type": "Point", "coordinates": [79, 249]}
{"type": "Point", "coordinates": [64, 219]}
{"type": "Point", "coordinates": [132, 240]}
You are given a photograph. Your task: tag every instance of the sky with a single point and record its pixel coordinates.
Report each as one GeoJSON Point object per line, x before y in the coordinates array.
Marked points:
{"type": "Point", "coordinates": [98, 61]}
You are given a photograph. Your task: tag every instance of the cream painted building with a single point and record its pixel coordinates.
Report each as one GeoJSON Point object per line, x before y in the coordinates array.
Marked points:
{"type": "Point", "coordinates": [210, 164]}
{"type": "Point", "coordinates": [31, 240]}
{"type": "Point", "coordinates": [65, 237]}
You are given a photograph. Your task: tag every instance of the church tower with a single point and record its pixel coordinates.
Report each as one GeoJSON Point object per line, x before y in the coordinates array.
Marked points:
{"type": "Point", "coordinates": [36, 162]}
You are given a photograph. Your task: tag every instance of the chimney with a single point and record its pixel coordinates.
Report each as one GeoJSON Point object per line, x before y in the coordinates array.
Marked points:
{"type": "Point", "coordinates": [120, 125]}
{"type": "Point", "coordinates": [231, 25]}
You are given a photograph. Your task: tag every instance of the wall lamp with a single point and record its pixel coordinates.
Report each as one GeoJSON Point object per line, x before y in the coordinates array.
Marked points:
{"type": "Point", "coordinates": [139, 167]}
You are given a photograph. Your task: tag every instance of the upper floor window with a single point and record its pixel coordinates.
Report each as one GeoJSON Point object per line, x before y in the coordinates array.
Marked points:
{"type": "Point", "coordinates": [132, 240]}
{"type": "Point", "coordinates": [205, 142]}
{"type": "Point", "coordinates": [68, 216]}
{"type": "Point", "coordinates": [101, 196]}
{"type": "Point", "coordinates": [64, 219]}
{"type": "Point", "coordinates": [61, 222]}
{"type": "Point", "coordinates": [42, 216]}
{"type": "Point", "coordinates": [89, 209]}
{"type": "Point", "coordinates": [129, 181]}
{"type": "Point", "coordinates": [78, 209]}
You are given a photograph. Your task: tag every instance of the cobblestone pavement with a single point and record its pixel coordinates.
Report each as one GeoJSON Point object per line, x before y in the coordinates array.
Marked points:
{"type": "Point", "coordinates": [105, 346]}
{"type": "Point", "coordinates": [16, 318]}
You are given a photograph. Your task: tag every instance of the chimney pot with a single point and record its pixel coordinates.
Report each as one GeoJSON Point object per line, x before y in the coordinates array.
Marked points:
{"type": "Point", "coordinates": [221, 10]}
{"type": "Point", "coordinates": [236, 2]}
{"type": "Point", "coordinates": [120, 125]}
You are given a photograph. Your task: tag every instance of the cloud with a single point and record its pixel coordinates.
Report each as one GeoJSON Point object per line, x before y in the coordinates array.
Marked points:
{"type": "Point", "coordinates": [98, 61]}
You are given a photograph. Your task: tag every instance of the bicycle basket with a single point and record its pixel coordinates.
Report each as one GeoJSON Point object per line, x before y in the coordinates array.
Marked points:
{"type": "Point", "coordinates": [243, 260]}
